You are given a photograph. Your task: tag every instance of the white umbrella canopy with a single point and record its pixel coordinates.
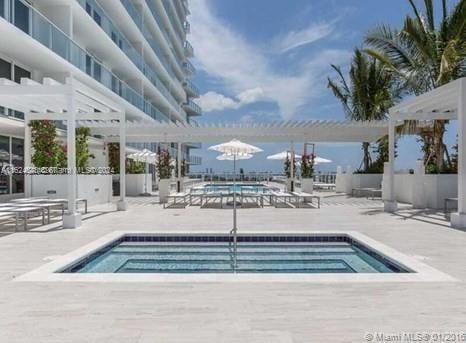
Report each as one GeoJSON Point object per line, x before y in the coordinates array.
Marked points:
{"type": "Point", "coordinates": [283, 155]}
{"type": "Point", "coordinates": [226, 157]}
{"type": "Point", "coordinates": [235, 147]}
{"type": "Point", "coordinates": [320, 160]}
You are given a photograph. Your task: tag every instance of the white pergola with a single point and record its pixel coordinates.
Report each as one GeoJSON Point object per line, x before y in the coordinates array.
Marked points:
{"type": "Point", "coordinates": [69, 102]}
{"type": "Point", "coordinates": [278, 131]}
{"type": "Point", "coordinates": [447, 102]}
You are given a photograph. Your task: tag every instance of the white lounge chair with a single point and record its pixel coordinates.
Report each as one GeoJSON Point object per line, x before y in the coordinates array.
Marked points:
{"type": "Point", "coordinates": [275, 196]}
{"type": "Point", "coordinates": [213, 195]}
{"type": "Point", "coordinates": [175, 197]}
{"type": "Point", "coordinates": [306, 197]}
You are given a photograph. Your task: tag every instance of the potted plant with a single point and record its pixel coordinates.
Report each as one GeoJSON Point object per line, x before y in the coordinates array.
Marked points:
{"type": "Point", "coordinates": [164, 170]}
{"type": "Point", "coordinates": [307, 173]}
{"type": "Point", "coordinates": [287, 168]}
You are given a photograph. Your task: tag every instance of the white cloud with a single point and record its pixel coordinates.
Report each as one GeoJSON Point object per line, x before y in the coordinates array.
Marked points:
{"type": "Point", "coordinates": [295, 39]}
{"type": "Point", "coordinates": [242, 67]}
{"type": "Point", "coordinates": [213, 101]}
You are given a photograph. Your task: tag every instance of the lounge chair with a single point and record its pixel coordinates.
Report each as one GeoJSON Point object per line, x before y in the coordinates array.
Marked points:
{"type": "Point", "coordinates": [306, 197]}
{"type": "Point", "coordinates": [257, 197]}
{"type": "Point", "coordinates": [212, 195]}
{"type": "Point", "coordinates": [177, 196]}
{"type": "Point", "coordinates": [275, 196]}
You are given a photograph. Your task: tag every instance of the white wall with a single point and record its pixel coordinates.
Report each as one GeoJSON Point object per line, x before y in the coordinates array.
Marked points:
{"type": "Point", "coordinates": [96, 189]}
{"type": "Point", "coordinates": [135, 184]}
{"type": "Point", "coordinates": [367, 180]}
{"type": "Point", "coordinates": [435, 188]}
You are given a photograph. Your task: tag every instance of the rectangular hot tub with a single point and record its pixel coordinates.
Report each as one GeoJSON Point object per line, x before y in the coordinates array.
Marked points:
{"type": "Point", "coordinates": [216, 254]}
{"type": "Point", "coordinates": [305, 256]}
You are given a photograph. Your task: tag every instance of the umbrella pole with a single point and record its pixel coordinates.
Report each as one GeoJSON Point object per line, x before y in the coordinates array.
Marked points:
{"type": "Point", "coordinates": [234, 215]}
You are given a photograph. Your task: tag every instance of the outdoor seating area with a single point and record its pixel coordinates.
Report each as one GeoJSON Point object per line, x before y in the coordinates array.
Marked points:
{"type": "Point", "coordinates": [22, 210]}
{"type": "Point", "coordinates": [221, 197]}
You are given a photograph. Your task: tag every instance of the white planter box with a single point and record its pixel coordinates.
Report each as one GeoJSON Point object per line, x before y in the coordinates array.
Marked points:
{"type": "Point", "coordinates": [435, 188]}
{"type": "Point", "coordinates": [164, 189]}
{"type": "Point", "coordinates": [97, 189]}
{"type": "Point", "coordinates": [136, 184]}
{"type": "Point", "coordinates": [307, 185]}
{"type": "Point", "coordinates": [367, 180]}
{"type": "Point", "coordinates": [340, 183]}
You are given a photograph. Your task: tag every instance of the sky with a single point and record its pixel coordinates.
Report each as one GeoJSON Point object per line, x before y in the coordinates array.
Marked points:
{"type": "Point", "coordinates": [266, 60]}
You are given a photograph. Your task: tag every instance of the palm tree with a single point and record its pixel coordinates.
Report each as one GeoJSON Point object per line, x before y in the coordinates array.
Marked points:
{"type": "Point", "coordinates": [426, 53]}
{"type": "Point", "coordinates": [367, 95]}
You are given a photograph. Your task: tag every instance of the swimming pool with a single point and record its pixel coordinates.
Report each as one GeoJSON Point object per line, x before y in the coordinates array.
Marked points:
{"type": "Point", "coordinates": [256, 254]}
{"type": "Point", "coordinates": [238, 188]}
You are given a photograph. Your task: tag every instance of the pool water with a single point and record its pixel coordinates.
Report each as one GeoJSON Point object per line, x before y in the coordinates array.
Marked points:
{"type": "Point", "coordinates": [238, 188]}
{"type": "Point", "coordinates": [256, 254]}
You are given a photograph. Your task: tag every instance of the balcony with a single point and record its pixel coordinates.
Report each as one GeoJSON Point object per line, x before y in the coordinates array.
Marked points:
{"type": "Point", "coordinates": [95, 11]}
{"type": "Point", "coordinates": [188, 69]}
{"type": "Point", "coordinates": [191, 89]}
{"type": "Point", "coordinates": [192, 109]}
{"type": "Point", "coordinates": [194, 160]}
{"type": "Point", "coordinates": [192, 145]}
{"type": "Point", "coordinates": [187, 27]}
{"type": "Point", "coordinates": [39, 28]}
{"type": "Point", "coordinates": [188, 49]}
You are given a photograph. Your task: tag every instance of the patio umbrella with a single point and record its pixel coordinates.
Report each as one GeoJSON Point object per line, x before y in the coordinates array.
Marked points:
{"type": "Point", "coordinates": [320, 160]}
{"type": "Point", "coordinates": [147, 157]}
{"type": "Point", "coordinates": [235, 150]}
{"type": "Point", "coordinates": [283, 155]}
{"type": "Point", "coordinates": [226, 157]}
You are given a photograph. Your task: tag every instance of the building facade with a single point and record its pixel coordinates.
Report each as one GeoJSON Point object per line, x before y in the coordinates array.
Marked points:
{"type": "Point", "coordinates": [133, 51]}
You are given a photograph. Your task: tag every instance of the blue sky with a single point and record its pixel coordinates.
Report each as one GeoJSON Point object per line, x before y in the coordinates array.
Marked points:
{"type": "Point", "coordinates": [265, 60]}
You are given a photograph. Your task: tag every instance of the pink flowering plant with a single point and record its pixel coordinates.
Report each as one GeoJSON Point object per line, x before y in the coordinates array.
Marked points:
{"type": "Point", "coordinates": [307, 166]}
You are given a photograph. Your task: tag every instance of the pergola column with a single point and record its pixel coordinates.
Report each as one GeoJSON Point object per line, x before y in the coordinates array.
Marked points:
{"type": "Point", "coordinates": [291, 167]}
{"type": "Point", "coordinates": [458, 219]}
{"type": "Point", "coordinates": [122, 205]}
{"type": "Point", "coordinates": [179, 186]}
{"type": "Point", "coordinates": [72, 218]}
{"type": "Point", "coordinates": [390, 204]}
{"type": "Point", "coordinates": [27, 156]}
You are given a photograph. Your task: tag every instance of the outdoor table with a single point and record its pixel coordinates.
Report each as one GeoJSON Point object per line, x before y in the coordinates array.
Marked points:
{"type": "Point", "coordinates": [23, 211]}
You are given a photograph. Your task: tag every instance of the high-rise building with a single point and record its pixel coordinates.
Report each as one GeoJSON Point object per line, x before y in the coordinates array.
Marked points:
{"type": "Point", "coordinates": [132, 51]}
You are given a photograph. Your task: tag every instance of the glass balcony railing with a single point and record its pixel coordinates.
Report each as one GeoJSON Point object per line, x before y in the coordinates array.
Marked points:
{"type": "Point", "coordinates": [189, 69]}
{"type": "Point", "coordinates": [191, 89]}
{"type": "Point", "coordinates": [174, 19]}
{"type": "Point", "coordinates": [158, 20]}
{"type": "Point", "coordinates": [194, 160]}
{"type": "Point", "coordinates": [148, 71]}
{"type": "Point", "coordinates": [192, 108]}
{"type": "Point", "coordinates": [138, 20]}
{"type": "Point", "coordinates": [41, 29]}
{"type": "Point", "coordinates": [188, 49]}
{"type": "Point", "coordinates": [103, 20]}
{"type": "Point", "coordinates": [187, 27]}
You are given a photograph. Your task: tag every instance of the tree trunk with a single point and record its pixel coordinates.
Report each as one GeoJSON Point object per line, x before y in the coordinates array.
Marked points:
{"type": "Point", "coordinates": [367, 156]}
{"type": "Point", "coordinates": [439, 147]}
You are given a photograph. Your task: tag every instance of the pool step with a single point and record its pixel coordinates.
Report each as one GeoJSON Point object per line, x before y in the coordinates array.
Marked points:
{"type": "Point", "coordinates": [156, 266]}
